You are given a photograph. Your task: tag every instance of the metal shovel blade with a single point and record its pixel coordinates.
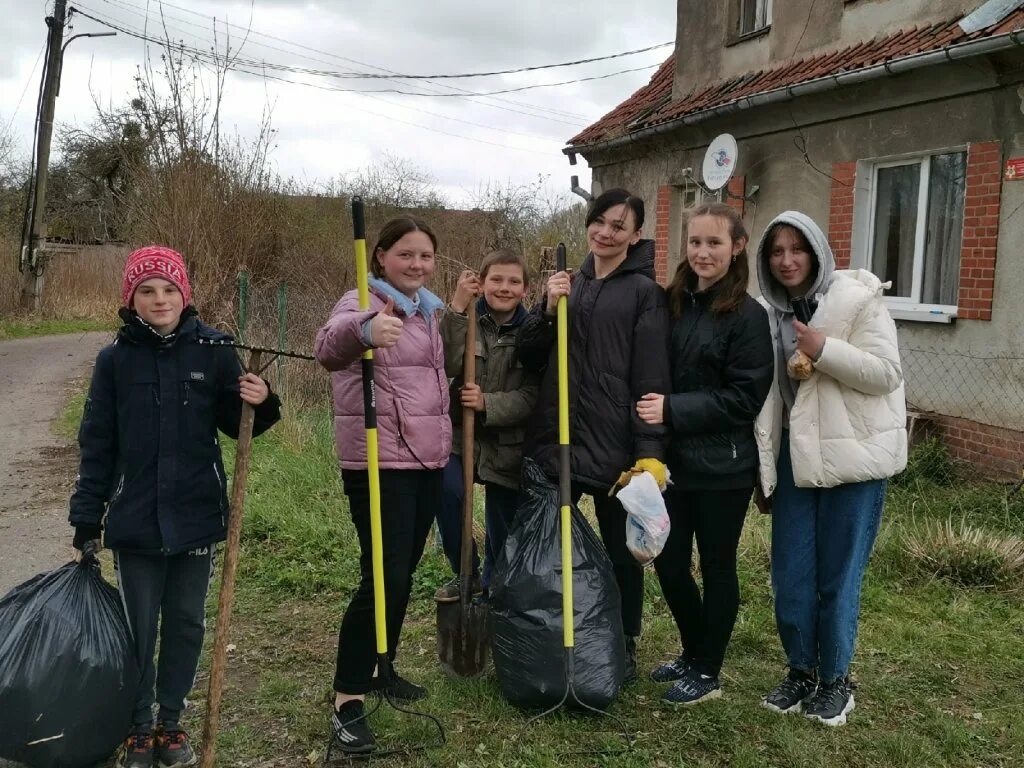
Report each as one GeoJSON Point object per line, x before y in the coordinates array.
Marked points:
{"type": "Point", "coordinates": [463, 638]}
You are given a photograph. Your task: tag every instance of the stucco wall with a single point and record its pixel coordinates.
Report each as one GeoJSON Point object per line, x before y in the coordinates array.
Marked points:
{"type": "Point", "coordinates": [952, 373]}
{"type": "Point", "coordinates": [799, 27]}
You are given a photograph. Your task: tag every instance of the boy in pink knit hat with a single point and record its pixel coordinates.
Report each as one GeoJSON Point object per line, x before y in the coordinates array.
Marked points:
{"type": "Point", "coordinates": [152, 480]}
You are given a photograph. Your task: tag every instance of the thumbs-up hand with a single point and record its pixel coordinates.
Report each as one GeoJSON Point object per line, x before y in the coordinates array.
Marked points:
{"type": "Point", "coordinates": [385, 328]}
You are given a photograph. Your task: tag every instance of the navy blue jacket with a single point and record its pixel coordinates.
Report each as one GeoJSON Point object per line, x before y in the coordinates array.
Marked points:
{"type": "Point", "coordinates": [151, 471]}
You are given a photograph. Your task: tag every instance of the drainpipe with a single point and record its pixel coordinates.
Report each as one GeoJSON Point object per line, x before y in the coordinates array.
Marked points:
{"type": "Point", "coordinates": [574, 182]}
{"type": "Point", "coordinates": [951, 53]}
{"type": "Point", "coordinates": [578, 190]}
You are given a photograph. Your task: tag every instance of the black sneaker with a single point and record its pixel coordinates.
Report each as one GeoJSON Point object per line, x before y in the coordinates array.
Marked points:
{"type": "Point", "coordinates": [671, 670]}
{"type": "Point", "coordinates": [172, 747]}
{"type": "Point", "coordinates": [630, 672]}
{"type": "Point", "coordinates": [351, 731]}
{"type": "Point", "coordinates": [792, 694]}
{"type": "Point", "coordinates": [693, 688]}
{"type": "Point", "coordinates": [399, 688]}
{"type": "Point", "coordinates": [831, 703]}
{"type": "Point", "coordinates": [137, 749]}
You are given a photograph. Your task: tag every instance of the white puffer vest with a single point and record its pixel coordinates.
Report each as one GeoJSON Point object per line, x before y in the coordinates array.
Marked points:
{"type": "Point", "coordinates": [848, 423]}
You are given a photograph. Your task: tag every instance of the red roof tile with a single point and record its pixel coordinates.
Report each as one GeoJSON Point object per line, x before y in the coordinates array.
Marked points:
{"type": "Point", "coordinates": [653, 104]}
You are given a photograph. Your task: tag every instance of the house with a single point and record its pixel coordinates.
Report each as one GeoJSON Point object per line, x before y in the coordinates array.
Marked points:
{"type": "Point", "coordinates": [896, 124]}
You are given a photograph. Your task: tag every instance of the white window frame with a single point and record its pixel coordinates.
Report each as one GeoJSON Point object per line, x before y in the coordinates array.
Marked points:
{"type": "Point", "coordinates": [695, 194]}
{"type": "Point", "coordinates": [900, 307]}
{"type": "Point", "coordinates": [762, 14]}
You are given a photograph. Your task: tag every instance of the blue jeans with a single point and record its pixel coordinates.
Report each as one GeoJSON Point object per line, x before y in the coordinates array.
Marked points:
{"type": "Point", "coordinates": [500, 505]}
{"type": "Point", "coordinates": [821, 542]}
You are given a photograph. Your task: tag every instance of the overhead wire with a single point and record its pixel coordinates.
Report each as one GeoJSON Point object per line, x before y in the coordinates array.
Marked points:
{"type": "Point", "coordinates": [377, 98]}
{"type": "Point", "coordinates": [238, 63]}
{"type": "Point", "coordinates": [468, 94]}
{"type": "Point", "coordinates": [132, 9]}
{"type": "Point", "coordinates": [28, 82]}
{"type": "Point", "coordinates": [266, 76]}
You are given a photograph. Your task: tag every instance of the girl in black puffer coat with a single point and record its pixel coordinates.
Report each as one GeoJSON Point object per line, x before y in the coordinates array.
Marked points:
{"type": "Point", "coordinates": [722, 370]}
{"type": "Point", "coordinates": [618, 343]}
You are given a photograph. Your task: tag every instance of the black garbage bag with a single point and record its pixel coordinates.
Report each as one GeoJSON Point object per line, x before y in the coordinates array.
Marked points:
{"type": "Point", "coordinates": [68, 676]}
{"type": "Point", "coordinates": [526, 600]}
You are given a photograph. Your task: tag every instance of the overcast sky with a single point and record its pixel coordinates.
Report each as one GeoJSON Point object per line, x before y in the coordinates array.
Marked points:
{"type": "Point", "coordinates": [322, 133]}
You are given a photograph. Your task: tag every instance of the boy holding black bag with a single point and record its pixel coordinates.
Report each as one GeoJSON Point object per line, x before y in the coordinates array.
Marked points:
{"type": "Point", "coordinates": [152, 479]}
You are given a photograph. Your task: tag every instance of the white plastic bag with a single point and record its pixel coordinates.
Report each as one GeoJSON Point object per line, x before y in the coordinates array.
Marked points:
{"type": "Point", "coordinates": [647, 523]}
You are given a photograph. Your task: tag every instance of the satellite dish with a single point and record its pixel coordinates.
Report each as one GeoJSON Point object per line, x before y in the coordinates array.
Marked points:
{"type": "Point", "coordinates": [720, 162]}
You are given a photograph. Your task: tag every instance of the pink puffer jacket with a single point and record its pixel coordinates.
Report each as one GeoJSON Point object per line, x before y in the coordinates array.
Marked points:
{"type": "Point", "coordinates": [413, 427]}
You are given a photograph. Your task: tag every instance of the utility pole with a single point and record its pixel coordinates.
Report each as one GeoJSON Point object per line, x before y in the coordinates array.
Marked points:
{"type": "Point", "coordinates": [33, 254]}
{"type": "Point", "coordinates": [32, 259]}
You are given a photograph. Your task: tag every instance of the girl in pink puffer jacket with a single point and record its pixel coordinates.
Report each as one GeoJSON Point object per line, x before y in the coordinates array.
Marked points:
{"type": "Point", "coordinates": [415, 440]}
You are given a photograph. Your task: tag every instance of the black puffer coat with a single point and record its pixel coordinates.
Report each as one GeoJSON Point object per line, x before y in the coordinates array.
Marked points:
{"type": "Point", "coordinates": [618, 352]}
{"type": "Point", "coordinates": [151, 468]}
{"type": "Point", "coordinates": [722, 370]}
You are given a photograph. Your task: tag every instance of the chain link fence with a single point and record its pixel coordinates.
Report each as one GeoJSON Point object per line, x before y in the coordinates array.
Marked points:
{"type": "Point", "coordinates": [969, 406]}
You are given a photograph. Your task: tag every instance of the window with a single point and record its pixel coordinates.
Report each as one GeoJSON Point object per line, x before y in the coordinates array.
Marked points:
{"type": "Point", "coordinates": [695, 194]}
{"type": "Point", "coordinates": [915, 231]}
{"type": "Point", "coordinates": [754, 16]}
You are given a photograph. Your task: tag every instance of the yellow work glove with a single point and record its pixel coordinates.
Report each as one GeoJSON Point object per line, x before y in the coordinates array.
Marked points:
{"type": "Point", "coordinates": [655, 467]}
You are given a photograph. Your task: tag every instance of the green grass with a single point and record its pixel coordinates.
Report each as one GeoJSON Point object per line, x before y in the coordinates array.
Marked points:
{"type": "Point", "coordinates": [21, 327]}
{"type": "Point", "coordinates": [66, 424]}
{"type": "Point", "coordinates": [940, 668]}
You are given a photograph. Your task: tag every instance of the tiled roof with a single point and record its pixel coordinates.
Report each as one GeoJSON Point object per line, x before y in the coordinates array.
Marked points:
{"type": "Point", "coordinates": [653, 103]}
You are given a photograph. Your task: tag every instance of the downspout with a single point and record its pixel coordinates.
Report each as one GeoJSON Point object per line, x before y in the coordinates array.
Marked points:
{"type": "Point", "coordinates": [574, 182]}
{"type": "Point", "coordinates": [819, 85]}
{"type": "Point", "coordinates": [578, 190]}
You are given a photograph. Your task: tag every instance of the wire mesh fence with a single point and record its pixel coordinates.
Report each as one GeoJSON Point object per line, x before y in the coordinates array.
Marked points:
{"type": "Point", "coordinates": [965, 411]}
{"type": "Point", "coordinates": [970, 406]}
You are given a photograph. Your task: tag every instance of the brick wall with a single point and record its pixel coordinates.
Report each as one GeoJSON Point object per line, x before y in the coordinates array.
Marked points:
{"type": "Point", "coordinates": [840, 216]}
{"type": "Point", "coordinates": [663, 214]}
{"type": "Point", "coordinates": [981, 230]}
{"type": "Point", "coordinates": [737, 189]}
{"type": "Point", "coordinates": [993, 451]}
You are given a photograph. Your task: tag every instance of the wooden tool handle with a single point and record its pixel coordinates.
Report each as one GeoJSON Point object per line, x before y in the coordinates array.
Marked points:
{"type": "Point", "coordinates": [468, 423]}
{"type": "Point", "coordinates": [218, 658]}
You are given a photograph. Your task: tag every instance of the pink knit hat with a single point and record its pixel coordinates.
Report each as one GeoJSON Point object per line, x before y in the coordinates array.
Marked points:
{"type": "Point", "coordinates": [154, 261]}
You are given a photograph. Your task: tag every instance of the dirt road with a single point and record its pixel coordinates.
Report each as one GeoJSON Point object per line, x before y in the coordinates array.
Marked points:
{"type": "Point", "coordinates": [36, 467]}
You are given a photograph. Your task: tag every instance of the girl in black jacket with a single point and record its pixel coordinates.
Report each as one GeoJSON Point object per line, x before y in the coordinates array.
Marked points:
{"type": "Point", "coordinates": [722, 369]}
{"type": "Point", "coordinates": [618, 339]}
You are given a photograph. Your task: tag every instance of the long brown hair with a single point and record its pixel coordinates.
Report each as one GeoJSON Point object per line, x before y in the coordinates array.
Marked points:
{"type": "Point", "coordinates": [732, 288]}
{"type": "Point", "coordinates": [394, 231]}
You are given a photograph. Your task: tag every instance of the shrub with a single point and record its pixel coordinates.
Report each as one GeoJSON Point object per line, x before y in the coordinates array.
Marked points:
{"type": "Point", "coordinates": [967, 556]}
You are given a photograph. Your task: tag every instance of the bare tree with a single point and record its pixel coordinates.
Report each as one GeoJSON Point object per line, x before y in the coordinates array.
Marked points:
{"type": "Point", "coordinates": [394, 183]}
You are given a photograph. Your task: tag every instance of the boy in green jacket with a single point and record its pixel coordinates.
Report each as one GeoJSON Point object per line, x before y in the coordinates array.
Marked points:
{"type": "Point", "coordinates": [502, 396]}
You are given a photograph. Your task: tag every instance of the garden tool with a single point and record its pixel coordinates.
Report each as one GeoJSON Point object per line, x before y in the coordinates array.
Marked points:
{"type": "Point", "coordinates": [463, 628]}
{"type": "Point", "coordinates": [225, 601]}
{"type": "Point", "coordinates": [570, 697]}
{"type": "Point", "coordinates": [384, 670]}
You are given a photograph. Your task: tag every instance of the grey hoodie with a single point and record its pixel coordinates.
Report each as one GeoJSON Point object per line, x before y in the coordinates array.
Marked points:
{"type": "Point", "coordinates": [778, 297]}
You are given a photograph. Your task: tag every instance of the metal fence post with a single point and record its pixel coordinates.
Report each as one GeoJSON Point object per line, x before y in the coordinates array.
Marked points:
{"type": "Point", "coordinates": [282, 330]}
{"type": "Point", "coordinates": [243, 303]}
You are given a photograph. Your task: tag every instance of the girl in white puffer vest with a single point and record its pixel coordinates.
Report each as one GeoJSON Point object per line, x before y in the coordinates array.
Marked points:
{"type": "Point", "coordinates": [827, 443]}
